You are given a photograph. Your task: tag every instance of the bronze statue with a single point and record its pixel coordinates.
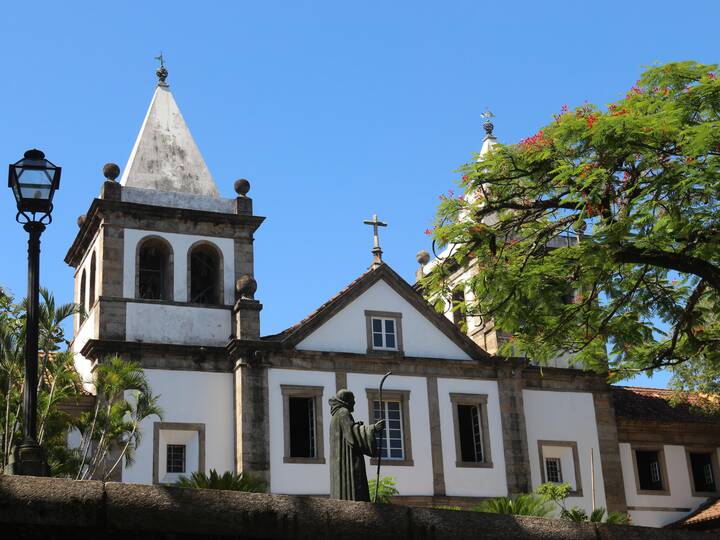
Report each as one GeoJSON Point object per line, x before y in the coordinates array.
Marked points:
{"type": "Point", "coordinates": [349, 442]}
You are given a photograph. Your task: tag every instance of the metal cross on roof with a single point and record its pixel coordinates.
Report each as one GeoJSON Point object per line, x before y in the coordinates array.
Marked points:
{"type": "Point", "coordinates": [161, 72]}
{"type": "Point", "coordinates": [376, 251]}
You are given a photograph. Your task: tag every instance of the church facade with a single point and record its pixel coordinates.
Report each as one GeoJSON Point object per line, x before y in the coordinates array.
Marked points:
{"type": "Point", "coordinates": [164, 267]}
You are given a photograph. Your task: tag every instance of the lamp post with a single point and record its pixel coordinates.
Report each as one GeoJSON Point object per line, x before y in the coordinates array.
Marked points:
{"type": "Point", "coordinates": [33, 180]}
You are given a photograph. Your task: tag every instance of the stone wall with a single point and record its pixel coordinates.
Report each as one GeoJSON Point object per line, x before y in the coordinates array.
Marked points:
{"type": "Point", "coordinates": [54, 508]}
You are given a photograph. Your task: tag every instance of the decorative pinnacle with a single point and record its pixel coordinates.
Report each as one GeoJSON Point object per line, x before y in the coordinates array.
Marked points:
{"type": "Point", "coordinates": [161, 72]}
{"type": "Point", "coordinates": [488, 125]}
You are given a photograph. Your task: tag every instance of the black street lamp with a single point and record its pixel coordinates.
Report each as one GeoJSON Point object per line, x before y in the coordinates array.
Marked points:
{"type": "Point", "coordinates": [33, 180]}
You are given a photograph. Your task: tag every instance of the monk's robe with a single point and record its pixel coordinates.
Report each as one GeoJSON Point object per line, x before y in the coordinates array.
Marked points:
{"type": "Point", "coordinates": [349, 442]}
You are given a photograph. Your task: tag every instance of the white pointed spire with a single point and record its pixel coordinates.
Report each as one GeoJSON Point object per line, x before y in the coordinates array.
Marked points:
{"type": "Point", "coordinates": [165, 156]}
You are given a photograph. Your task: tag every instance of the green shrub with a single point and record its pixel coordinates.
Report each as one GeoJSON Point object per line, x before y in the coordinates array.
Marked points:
{"type": "Point", "coordinates": [229, 481]}
{"type": "Point", "coordinates": [386, 489]}
{"type": "Point", "coordinates": [522, 505]}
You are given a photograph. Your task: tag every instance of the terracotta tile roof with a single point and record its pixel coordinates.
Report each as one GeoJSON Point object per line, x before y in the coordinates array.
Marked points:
{"type": "Point", "coordinates": [701, 518]}
{"type": "Point", "coordinates": [635, 403]}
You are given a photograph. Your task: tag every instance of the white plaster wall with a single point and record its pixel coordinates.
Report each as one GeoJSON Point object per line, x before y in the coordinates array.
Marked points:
{"type": "Point", "coordinates": [470, 481]}
{"type": "Point", "coordinates": [193, 397]}
{"type": "Point", "coordinates": [84, 365]}
{"type": "Point", "coordinates": [679, 482]}
{"type": "Point", "coordinates": [410, 480]}
{"type": "Point", "coordinates": [346, 331]}
{"type": "Point", "coordinates": [188, 325]}
{"type": "Point", "coordinates": [298, 478]}
{"type": "Point", "coordinates": [565, 416]}
{"type": "Point", "coordinates": [180, 245]}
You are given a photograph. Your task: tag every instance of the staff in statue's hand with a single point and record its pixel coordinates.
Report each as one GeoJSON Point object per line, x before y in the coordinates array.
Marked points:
{"type": "Point", "coordinates": [382, 432]}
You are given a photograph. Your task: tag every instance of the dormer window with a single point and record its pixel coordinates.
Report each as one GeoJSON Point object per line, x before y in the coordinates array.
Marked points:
{"type": "Point", "coordinates": [384, 331]}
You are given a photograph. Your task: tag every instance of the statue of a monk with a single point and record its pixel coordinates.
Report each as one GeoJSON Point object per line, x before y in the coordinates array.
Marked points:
{"type": "Point", "coordinates": [349, 442]}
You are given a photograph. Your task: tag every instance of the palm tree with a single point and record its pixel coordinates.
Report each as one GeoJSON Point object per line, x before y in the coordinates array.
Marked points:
{"type": "Point", "coordinates": [114, 420]}
{"type": "Point", "coordinates": [11, 364]}
{"type": "Point", "coordinates": [229, 481]}
{"type": "Point", "coordinates": [146, 404]}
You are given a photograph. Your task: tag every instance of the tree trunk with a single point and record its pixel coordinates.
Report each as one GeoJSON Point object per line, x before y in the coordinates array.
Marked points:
{"type": "Point", "coordinates": [119, 459]}
{"type": "Point", "coordinates": [89, 439]}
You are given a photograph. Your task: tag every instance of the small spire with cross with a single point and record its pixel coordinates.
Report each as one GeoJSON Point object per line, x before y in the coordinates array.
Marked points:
{"type": "Point", "coordinates": [161, 72]}
{"type": "Point", "coordinates": [488, 125]}
{"type": "Point", "coordinates": [376, 251]}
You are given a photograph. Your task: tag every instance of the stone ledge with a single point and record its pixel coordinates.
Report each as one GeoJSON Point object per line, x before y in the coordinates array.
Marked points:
{"type": "Point", "coordinates": [50, 507]}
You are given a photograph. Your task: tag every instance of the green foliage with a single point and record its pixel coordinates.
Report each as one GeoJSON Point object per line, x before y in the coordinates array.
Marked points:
{"type": "Point", "coordinates": [124, 399]}
{"type": "Point", "coordinates": [522, 505]}
{"type": "Point", "coordinates": [57, 380]}
{"type": "Point", "coordinates": [639, 183]}
{"type": "Point", "coordinates": [229, 481]}
{"type": "Point", "coordinates": [386, 489]}
{"type": "Point", "coordinates": [557, 493]}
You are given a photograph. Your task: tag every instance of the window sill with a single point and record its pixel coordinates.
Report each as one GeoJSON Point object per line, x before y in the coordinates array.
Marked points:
{"type": "Point", "coordinates": [705, 494]}
{"type": "Point", "coordinates": [304, 460]}
{"type": "Point", "coordinates": [385, 352]}
{"type": "Point", "coordinates": [661, 492]}
{"type": "Point", "coordinates": [474, 464]}
{"type": "Point", "coordinates": [393, 462]}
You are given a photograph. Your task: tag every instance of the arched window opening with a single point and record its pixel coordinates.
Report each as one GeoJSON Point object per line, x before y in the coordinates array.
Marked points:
{"type": "Point", "coordinates": [83, 306]}
{"type": "Point", "coordinates": [91, 295]}
{"type": "Point", "coordinates": [205, 275]}
{"type": "Point", "coordinates": [154, 277]}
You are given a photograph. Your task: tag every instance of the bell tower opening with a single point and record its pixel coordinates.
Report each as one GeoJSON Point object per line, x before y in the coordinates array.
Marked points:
{"type": "Point", "coordinates": [205, 275]}
{"type": "Point", "coordinates": [154, 263]}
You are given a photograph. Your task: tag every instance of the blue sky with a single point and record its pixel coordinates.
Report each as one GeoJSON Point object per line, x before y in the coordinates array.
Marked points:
{"type": "Point", "coordinates": [333, 110]}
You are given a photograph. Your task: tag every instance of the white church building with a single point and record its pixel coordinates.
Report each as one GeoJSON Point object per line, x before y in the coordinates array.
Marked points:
{"type": "Point", "coordinates": [164, 267]}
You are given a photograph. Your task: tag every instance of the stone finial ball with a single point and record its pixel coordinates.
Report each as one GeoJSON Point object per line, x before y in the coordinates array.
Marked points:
{"type": "Point", "coordinates": [422, 257]}
{"type": "Point", "coordinates": [242, 187]}
{"type": "Point", "coordinates": [111, 171]}
{"type": "Point", "coordinates": [246, 286]}
{"type": "Point", "coordinates": [81, 220]}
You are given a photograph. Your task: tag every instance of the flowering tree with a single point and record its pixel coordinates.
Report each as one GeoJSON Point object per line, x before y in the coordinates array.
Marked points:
{"type": "Point", "coordinates": [635, 187]}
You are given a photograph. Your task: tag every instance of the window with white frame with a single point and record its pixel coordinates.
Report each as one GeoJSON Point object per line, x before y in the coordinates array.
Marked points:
{"type": "Point", "coordinates": [384, 335]}
{"type": "Point", "coordinates": [553, 470]}
{"type": "Point", "coordinates": [175, 458]}
{"type": "Point", "coordinates": [560, 463]}
{"type": "Point", "coordinates": [384, 331]}
{"type": "Point", "coordinates": [395, 441]}
{"type": "Point", "coordinates": [178, 448]}
{"type": "Point", "coordinates": [391, 445]}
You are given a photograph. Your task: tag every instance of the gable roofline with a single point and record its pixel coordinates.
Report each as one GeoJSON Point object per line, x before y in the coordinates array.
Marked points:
{"type": "Point", "coordinates": [292, 336]}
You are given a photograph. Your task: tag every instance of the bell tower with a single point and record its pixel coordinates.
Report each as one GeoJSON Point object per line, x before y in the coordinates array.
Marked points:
{"type": "Point", "coordinates": [164, 269]}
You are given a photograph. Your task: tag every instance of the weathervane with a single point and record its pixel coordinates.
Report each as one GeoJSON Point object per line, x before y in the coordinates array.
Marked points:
{"type": "Point", "coordinates": [161, 72]}
{"type": "Point", "coordinates": [488, 125]}
{"type": "Point", "coordinates": [376, 251]}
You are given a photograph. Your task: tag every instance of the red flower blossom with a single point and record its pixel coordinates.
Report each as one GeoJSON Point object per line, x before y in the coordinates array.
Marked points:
{"type": "Point", "coordinates": [712, 76]}
{"type": "Point", "coordinates": [428, 231]}
{"type": "Point", "coordinates": [591, 120]}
